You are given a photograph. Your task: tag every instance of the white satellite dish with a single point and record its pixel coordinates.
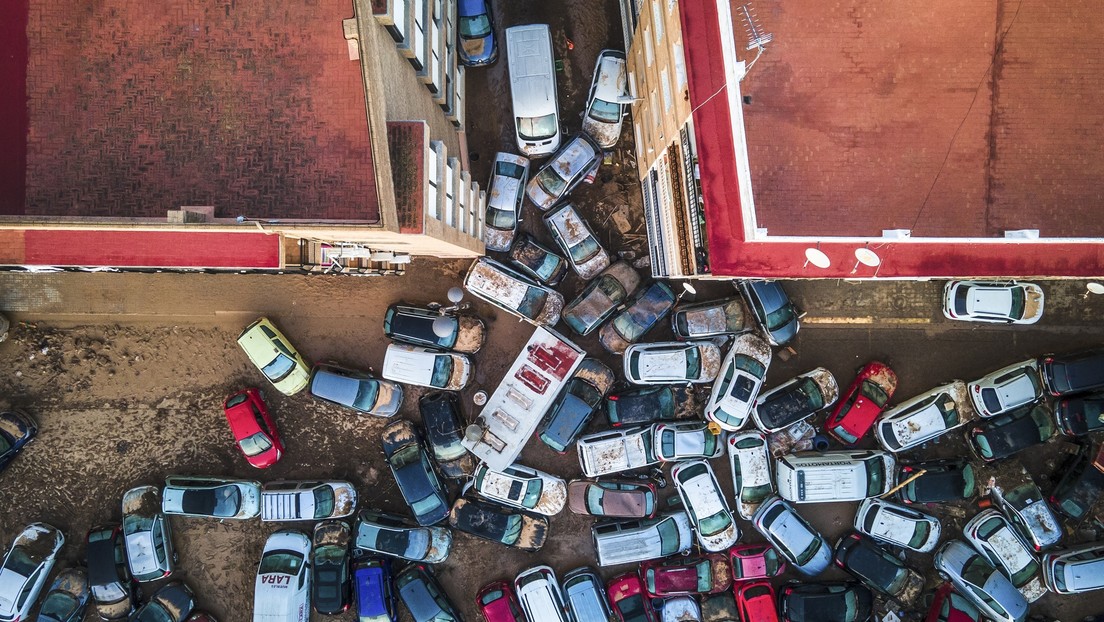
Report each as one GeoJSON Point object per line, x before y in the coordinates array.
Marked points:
{"type": "Point", "coordinates": [443, 326]}
{"type": "Point", "coordinates": [867, 257]}
{"type": "Point", "coordinates": [455, 295]}
{"type": "Point", "coordinates": [817, 257]}
{"type": "Point", "coordinates": [1095, 288]}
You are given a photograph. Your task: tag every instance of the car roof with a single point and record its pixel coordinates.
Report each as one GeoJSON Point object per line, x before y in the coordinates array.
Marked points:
{"type": "Point", "coordinates": [334, 387]}
{"type": "Point", "coordinates": [611, 76]}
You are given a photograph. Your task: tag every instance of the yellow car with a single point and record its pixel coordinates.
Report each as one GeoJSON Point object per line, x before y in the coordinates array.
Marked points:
{"type": "Point", "coordinates": [271, 352]}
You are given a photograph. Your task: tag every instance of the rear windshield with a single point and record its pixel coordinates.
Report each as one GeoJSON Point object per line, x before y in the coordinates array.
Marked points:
{"type": "Point", "coordinates": [537, 128]}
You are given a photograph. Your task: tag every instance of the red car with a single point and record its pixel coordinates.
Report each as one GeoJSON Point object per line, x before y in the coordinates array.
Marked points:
{"type": "Point", "coordinates": [947, 606]}
{"type": "Point", "coordinates": [698, 574]}
{"type": "Point", "coordinates": [629, 600]}
{"type": "Point", "coordinates": [755, 602]}
{"type": "Point", "coordinates": [755, 561]}
{"type": "Point", "coordinates": [497, 603]}
{"type": "Point", "coordinates": [254, 432]}
{"type": "Point", "coordinates": [861, 404]}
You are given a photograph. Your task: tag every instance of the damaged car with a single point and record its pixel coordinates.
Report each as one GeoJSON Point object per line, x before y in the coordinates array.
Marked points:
{"type": "Point", "coordinates": [496, 523]}
{"type": "Point", "coordinates": [795, 400]}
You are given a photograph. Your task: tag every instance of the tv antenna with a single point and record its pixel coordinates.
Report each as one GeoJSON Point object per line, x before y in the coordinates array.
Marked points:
{"type": "Point", "coordinates": [757, 37]}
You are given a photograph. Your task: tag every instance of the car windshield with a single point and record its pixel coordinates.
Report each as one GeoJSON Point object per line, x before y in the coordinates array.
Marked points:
{"type": "Point", "coordinates": [715, 523]}
{"type": "Point", "coordinates": [585, 249]}
{"type": "Point", "coordinates": [279, 368]}
{"type": "Point", "coordinates": [755, 494]}
{"type": "Point", "coordinates": [604, 111]}
{"type": "Point", "coordinates": [155, 612]}
{"type": "Point", "coordinates": [874, 393]}
{"type": "Point", "coordinates": [693, 363]}
{"type": "Point", "coordinates": [475, 26]}
{"type": "Point", "coordinates": [19, 563]}
{"type": "Point", "coordinates": [323, 501]}
{"type": "Point", "coordinates": [4, 444]}
{"type": "Point", "coordinates": [551, 181]}
{"type": "Point", "coordinates": [108, 593]}
{"type": "Point", "coordinates": [543, 263]}
{"type": "Point", "coordinates": [255, 444]}
{"type": "Point", "coordinates": [750, 365]}
{"type": "Point", "coordinates": [442, 370]}
{"type": "Point", "coordinates": [533, 302]}
{"type": "Point", "coordinates": [367, 392]}
{"type": "Point", "coordinates": [533, 489]}
{"type": "Point", "coordinates": [875, 476]}
{"type": "Point", "coordinates": [501, 218]}
{"type": "Point", "coordinates": [329, 553]}
{"type": "Point", "coordinates": [281, 561]}
{"type": "Point", "coordinates": [133, 523]}
{"type": "Point", "coordinates": [780, 317]}
{"type": "Point", "coordinates": [57, 606]}
{"type": "Point", "coordinates": [221, 501]}
{"type": "Point", "coordinates": [632, 608]}
{"type": "Point", "coordinates": [804, 556]}
{"type": "Point", "coordinates": [1017, 309]}
{"type": "Point", "coordinates": [421, 507]}
{"type": "Point", "coordinates": [537, 128]}
{"type": "Point", "coordinates": [845, 434]}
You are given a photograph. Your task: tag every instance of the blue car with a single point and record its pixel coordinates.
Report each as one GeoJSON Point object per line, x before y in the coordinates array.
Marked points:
{"type": "Point", "coordinates": [16, 430]}
{"type": "Point", "coordinates": [772, 308]}
{"type": "Point", "coordinates": [477, 43]}
{"type": "Point", "coordinates": [423, 596]}
{"type": "Point", "coordinates": [375, 600]}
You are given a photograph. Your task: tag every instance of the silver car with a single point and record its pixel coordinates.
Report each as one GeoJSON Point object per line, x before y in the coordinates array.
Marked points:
{"type": "Point", "coordinates": [564, 171]}
{"type": "Point", "coordinates": [504, 199]}
{"type": "Point", "coordinates": [513, 292]}
{"type": "Point", "coordinates": [601, 297]}
{"type": "Point", "coordinates": [605, 109]}
{"type": "Point", "coordinates": [898, 525]}
{"type": "Point", "coordinates": [993, 536]}
{"type": "Point", "coordinates": [982, 584]}
{"type": "Point", "coordinates": [739, 382]}
{"type": "Point", "coordinates": [25, 569]}
{"type": "Point", "coordinates": [574, 236]}
{"type": "Point", "coordinates": [794, 538]}
{"type": "Point", "coordinates": [1077, 570]}
{"type": "Point", "coordinates": [147, 534]}
{"type": "Point", "coordinates": [211, 497]}
{"type": "Point", "coordinates": [390, 534]}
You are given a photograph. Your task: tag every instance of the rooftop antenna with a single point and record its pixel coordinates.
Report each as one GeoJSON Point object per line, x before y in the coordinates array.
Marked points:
{"type": "Point", "coordinates": [1093, 288]}
{"type": "Point", "coordinates": [756, 36]}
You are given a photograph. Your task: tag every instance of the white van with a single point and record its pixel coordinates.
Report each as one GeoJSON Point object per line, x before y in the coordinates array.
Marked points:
{"type": "Point", "coordinates": [282, 590]}
{"type": "Point", "coordinates": [539, 595]}
{"type": "Point", "coordinates": [629, 542]}
{"type": "Point", "coordinates": [533, 89]}
{"type": "Point", "coordinates": [426, 367]}
{"type": "Point", "coordinates": [614, 451]}
{"type": "Point", "coordinates": [812, 477]}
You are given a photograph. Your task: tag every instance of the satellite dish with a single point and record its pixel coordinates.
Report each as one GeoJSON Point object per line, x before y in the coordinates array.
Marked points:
{"type": "Point", "coordinates": [455, 295]}
{"type": "Point", "coordinates": [689, 288]}
{"type": "Point", "coordinates": [443, 326]}
{"type": "Point", "coordinates": [817, 257]}
{"type": "Point", "coordinates": [473, 433]}
{"type": "Point", "coordinates": [1095, 288]}
{"type": "Point", "coordinates": [867, 257]}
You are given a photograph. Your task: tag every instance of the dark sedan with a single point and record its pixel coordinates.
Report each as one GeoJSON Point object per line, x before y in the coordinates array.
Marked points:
{"type": "Point", "coordinates": [444, 427]}
{"type": "Point", "coordinates": [1077, 416]}
{"type": "Point", "coordinates": [773, 309]}
{"type": "Point", "coordinates": [601, 297]}
{"type": "Point", "coordinates": [943, 480]}
{"type": "Point", "coordinates": [1080, 487]}
{"type": "Point", "coordinates": [477, 45]}
{"type": "Point", "coordinates": [648, 307]}
{"type": "Point", "coordinates": [108, 574]}
{"type": "Point", "coordinates": [1011, 432]}
{"type": "Point", "coordinates": [423, 596]}
{"type": "Point", "coordinates": [572, 410]}
{"type": "Point", "coordinates": [877, 569]}
{"type": "Point", "coordinates": [414, 325]}
{"type": "Point", "coordinates": [500, 524]}
{"type": "Point", "coordinates": [825, 602]}
{"type": "Point", "coordinates": [537, 261]}
{"type": "Point", "coordinates": [330, 592]}
{"type": "Point", "coordinates": [67, 598]}
{"type": "Point", "coordinates": [172, 603]}
{"type": "Point", "coordinates": [417, 479]}
{"type": "Point", "coordinates": [16, 430]}
{"type": "Point", "coordinates": [645, 405]}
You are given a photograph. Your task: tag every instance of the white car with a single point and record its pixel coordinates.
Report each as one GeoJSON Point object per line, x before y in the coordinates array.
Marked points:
{"type": "Point", "coordinates": [672, 362]}
{"type": "Point", "coordinates": [898, 525]}
{"type": "Point", "coordinates": [211, 497]}
{"type": "Point", "coordinates": [283, 586]}
{"type": "Point", "coordinates": [924, 417]}
{"type": "Point", "coordinates": [521, 487]}
{"type": "Point", "coordinates": [1007, 388]}
{"type": "Point", "coordinates": [504, 200]}
{"type": "Point", "coordinates": [1001, 303]}
{"type": "Point", "coordinates": [148, 535]}
{"type": "Point", "coordinates": [994, 537]}
{"type": "Point", "coordinates": [795, 400]}
{"type": "Point", "coordinates": [686, 441]}
{"type": "Point", "coordinates": [574, 236]}
{"type": "Point", "coordinates": [294, 500]}
{"type": "Point", "coordinates": [976, 579]}
{"type": "Point", "coordinates": [792, 537]}
{"type": "Point", "coordinates": [540, 596]}
{"type": "Point", "coordinates": [606, 102]}
{"type": "Point", "coordinates": [705, 504]}
{"type": "Point", "coordinates": [426, 367]}
{"type": "Point", "coordinates": [25, 569]}
{"type": "Point", "coordinates": [739, 382]}
{"type": "Point", "coordinates": [1076, 570]}
{"type": "Point", "coordinates": [749, 459]}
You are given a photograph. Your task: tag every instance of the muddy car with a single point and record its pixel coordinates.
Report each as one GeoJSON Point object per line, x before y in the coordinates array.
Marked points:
{"type": "Point", "coordinates": [925, 417]}
{"type": "Point", "coordinates": [211, 497]}
{"type": "Point", "coordinates": [942, 480]}
{"type": "Point", "coordinates": [795, 400]}
{"type": "Point", "coordinates": [646, 309]}
{"type": "Point", "coordinates": [749, 460]}
{"type": "Point", "coordinates": [672, 362]}
{"type": "Point", "coordinates": [17, 429]}
{"type": "Point", "coordinates": [26, 567]}
{"type": "Point", "coordinates": [564, 171]}
{"type": "Point", "coordinates": [149, 545]}
{"type": "Point", "coordinates": [575, 237]}
{"type": "Point", "coordinates": [712, 318]}
{"type": "Point", "coordinates": [898, 525]}
{"type": "Point", "coordinates": [705, 504]}
{"type": "Point", "coordinates": [108, 575]}
{"type": "Point", "coordinates": [393, 535]}
{"type": "Point", "coordinates": [329, 569]}
{"type": "Point", "coordinates": [173, 602]}
{"type": "Point", "coordinates": [686, 441]}
{"type": "Point", "coordinates": [1006, 389]}
{"type": "Point", "coordinates": [645, 405]}
{"type": "Point", "coordinates": [678, 576]}
{"type": "Point", "coordinates": [861, 404]}
{"type": "Point", "coordinates": [513, 292]}
{"type": "Point", "coordinates": [606, 102]}
{"type": "Point", "coordinates": [862, 557]}
{"type": "Point", "coordinates": [601, 297]}
{"type": "Point", "coordinates": [496, 523]}
{"type": "Point", "coordinates": [505, 195]}
{"type": "Point", "coordinates": [612, 499]}
{"type": "Point", "coordinates": [738, 382]}
{"type": "Point", "coordinates": [792, 536]}
{"type": "Point", "coordinates": [998, 303]}
{"type": "Point", "coordinates": [291, 501]}
{"type": "Point", "coordinates": [616, 451]}
{"type": "Point", "coordinates": [417, 479]}
{"type": "Point", "coordinates": [427, 367]}
{"type": "Point", "coordinates": [356, 390]}
{"type": "Point", "coordinates": [415, 326]}
{"type": "Point", "coordinates": [537, 261]}
{"type": "Point", "coordinates": [994, 537]}
{"type": "Point", "coordinates": [442, 419]}
{"type": "Point", "coordinates": [576, 405]}
{"type": "Point", "coordinates": [1015, 494]}
{"type": "Point", "coordinates": [521, 487]}
{"type": "Point", "coordinates": [67, 597]}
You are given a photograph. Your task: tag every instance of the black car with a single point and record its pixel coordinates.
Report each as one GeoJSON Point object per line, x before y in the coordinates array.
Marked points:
{"type": "Point", "coordinates": [572, 410]}
{"type": "Point", "coordinates": [772, 308]}
{"type": "Point", "coordinates": [498, 523]}
{"type": "Point", "coordinates": [795, 399]}
{"type": "Point", "coordinates": [1075, 373]}
{"type": "Point", "coordinates": [442, 419]}
{"type": "Point", "coordinates": [108, 575]}
{"type": "Point", "coordinates": [1080, 487]}
{"type": "Point", "coordinates": [423, 596]}
{"type": "Point", "coordinates": [330, 567]}
{"type": "Point", "coordinates": [538, 262]}
{"type": "Point", "coordinates": [1004, 435]}
{"type": "Point", "coordinates": [174, 602]}
{"type": "Point", "coordinates": [16, 430]}
{"type": "Point", "coordinates": [1077, 416]}
{"type": "Point", "coordinates": [414, 325]}
{"type": "Point", "coordinates": [417, 479]}
{"type": "Point", "coordinates": [645, 405]}
{"type": "Point", "coordinates": [943, 480]}
{"type": "Point", "coordinates": [67, 598]}
{"type": "Point", "coordinates": [825, 602]}
{"type": "Point", "coordinates": [877, 569]}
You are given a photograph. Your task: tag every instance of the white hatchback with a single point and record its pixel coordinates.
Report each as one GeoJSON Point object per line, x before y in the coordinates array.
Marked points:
{"type": "Point", "coordinates": [749, 459]}
{"type": "Point", "coordinates": [999, 303]}
{"type": "Point", "coordinates": [672, 362]}
{"type": "Point", "coordinates": [25, 569]}
{"type": "Point", "coordinates": [739, 382]}
{"type": "Point", "coordinates": [1007, 388]}
{"type": "Point", "coordinates": [898, 525]}
{"type": "Point", "coordinates": [685, 441]}
{"type": "Point", "coordinates": [521, 487]}
{"type": "Point", "coordinates": [606, 103]}
{"type": "Point", "coordinates": [924, 417]}
{"type": "Point", "coordinates": [705, 504]}
{"type": "Point", "coordinates": [282, 589]}
{"type": "Point", "coordinates": [426, 367]}
{"type": "Point", "coordinates": [994, 537]}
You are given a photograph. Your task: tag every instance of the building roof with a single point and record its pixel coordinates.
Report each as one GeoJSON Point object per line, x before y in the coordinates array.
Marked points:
{"type": "Point", "coordinates": [141, 249]}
